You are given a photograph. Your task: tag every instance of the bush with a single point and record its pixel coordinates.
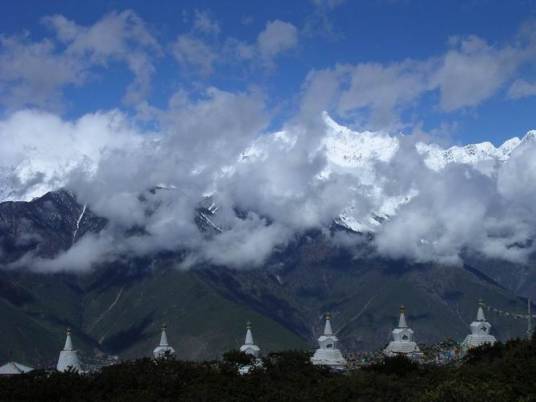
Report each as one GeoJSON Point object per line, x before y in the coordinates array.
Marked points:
{"type": "Point", "coordinates": [503, 372]}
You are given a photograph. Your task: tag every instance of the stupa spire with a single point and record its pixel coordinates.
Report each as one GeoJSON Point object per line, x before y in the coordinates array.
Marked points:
{"type": "Point", "coordinates": [163, 336]}
{"type": "Point", "coordinates": [480, 313]}
{"type": "Point", "coordinates": [402, 320]}
{"type": "Point", "coordinates": [249, 335]}
{"type": "Point", "coordinates": [68, 341]}
{"type": "Point", "coordinates": [327, 327]}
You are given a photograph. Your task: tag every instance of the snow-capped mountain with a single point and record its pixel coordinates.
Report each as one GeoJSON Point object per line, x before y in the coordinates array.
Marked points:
{"type": "Point", "coordinates": [350, 149]}
{"type": "Point", "coordinates": [347, 152]}
{"type": "Point", "coordinates": [347, 148]}
{"type": "Point", "coordinates": [358, 153]}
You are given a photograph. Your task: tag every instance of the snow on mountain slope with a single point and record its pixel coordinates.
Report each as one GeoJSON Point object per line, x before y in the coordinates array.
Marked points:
{"type": "Point", "coordinates": [35, 170]}
{"type": "Point", "coordinates": [476, 155]}
{"type": "Point", "coordinates": [350, 149]}
{"type": "Point", "coordinates": [35, 176]}
{"type": "Point", "coordinates": [357, 153]}
{"type": "Point", "coordinates": [40, 151]}
{"type": "Point", "coordinates": [347, 148]}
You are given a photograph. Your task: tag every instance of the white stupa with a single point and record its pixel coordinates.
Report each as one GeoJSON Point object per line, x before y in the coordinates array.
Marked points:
{"type": "Point", "coordinates": [68, 359]}
{"type": "Point", "coordinates": [249, 346]}
{"type": "Point", "coordinates": [163, 349]}
{"type": "Point", "coordinates": [480, 332]}
{"type": "Point", "coordinates": [327, 354]}
{"type": "Point", "coordinates": [403, 343]}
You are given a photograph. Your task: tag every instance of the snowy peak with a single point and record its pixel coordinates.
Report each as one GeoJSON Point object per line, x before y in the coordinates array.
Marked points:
{"type": "Point", "coordinates": [347, 148]}
{"type": "Point", "coordinates": [482, 156]}
{"type": "Point", "coordinates": [437, 158]}
{"type": "Point", "coordinates": [509, 145]}
{"type": "Point", "coordinates": [357, 153]}
{"type": "Point", "coordinates": [351, 149]}
{"type": "Point", "coordinates": [530, 137]}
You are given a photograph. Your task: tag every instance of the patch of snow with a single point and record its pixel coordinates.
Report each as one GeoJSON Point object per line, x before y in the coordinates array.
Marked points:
{"type": "Point", "coordinates": [209, 222]}
{"type": "Point", "coordinates": [78, 222]}
{"type": "Point", "coordinates": [350, 149]}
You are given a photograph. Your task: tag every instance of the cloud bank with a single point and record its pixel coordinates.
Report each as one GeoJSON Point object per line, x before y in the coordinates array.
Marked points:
{"type": "Point", "coordinates": [268, 188]}
{"type": "Point", "coordinates": [208, 144]}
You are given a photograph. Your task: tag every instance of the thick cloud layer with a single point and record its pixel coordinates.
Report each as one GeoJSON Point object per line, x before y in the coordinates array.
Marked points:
{"type": "Point", "coordinates": [209, 145]}
{"type": "Point", "coordinates": [268, 187]}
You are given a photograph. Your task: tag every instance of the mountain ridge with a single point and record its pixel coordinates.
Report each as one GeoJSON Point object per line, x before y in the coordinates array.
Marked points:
{"type": "Point", "coordinates": [345, 148]}
{"type": "Point", "coordinates": [117, 307]}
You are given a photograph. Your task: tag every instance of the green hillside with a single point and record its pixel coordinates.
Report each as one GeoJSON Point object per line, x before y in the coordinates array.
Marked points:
{"type": "Point", "coordinates": [118, 308]}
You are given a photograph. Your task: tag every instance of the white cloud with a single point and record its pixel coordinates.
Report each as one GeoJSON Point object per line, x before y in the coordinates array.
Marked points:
{"type": "Point", "coordinates": [42, 150]}
{"type": "Point", "coordinates": [34, 73]}
{"type": "Point", "coordinates": [203, 23]}
{"type": "Point", "coordinates": [472, 71]}
{"type": "Point", "coordinates": [190, 51]}
{"type": "Point", "coordinates": [521, 89]}
{"type": "Point", "coordinates": [284, 182]}
{"type": "Point", "coordinates": [202, 54]}
{"type": "Point", "coordinates": [276, 38]}
{"type": "Point", "coordinates": [517, 178]}
{"type": "Point", "coordinates": [214, 142]}
{"type": "Point", "coordinates": [247, 245]}
{"type": "Point", "coordinates": [90, 250]}
{"type": "Point", "coordinates": [384, 89]}
{"type": "Point", "coordinates": [116, 37]}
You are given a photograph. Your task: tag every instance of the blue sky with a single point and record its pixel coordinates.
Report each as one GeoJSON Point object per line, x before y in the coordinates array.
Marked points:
{"type": "Point", "coordinates": [424, 58]}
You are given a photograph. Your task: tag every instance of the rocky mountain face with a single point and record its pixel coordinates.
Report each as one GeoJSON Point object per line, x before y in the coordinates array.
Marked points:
{"type": "Point", "coordinates": [118, 307]}
{"type": "Point", "coordinates": [44, 227]}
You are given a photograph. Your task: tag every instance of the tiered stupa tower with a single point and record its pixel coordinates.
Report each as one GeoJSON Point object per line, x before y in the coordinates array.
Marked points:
{"type": "Point", "coordinates": [163, 349]}
{"type": "Point", "coordinates": [68, 359]}
{"type": "Point", "coordinates": [480, 331]}
{"type": "Point", "coordinates": [403, 343]}
{"type": "Point", "coordinates": [249, 346]}
{"type": "Point", "coordinates": [327, 354]}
